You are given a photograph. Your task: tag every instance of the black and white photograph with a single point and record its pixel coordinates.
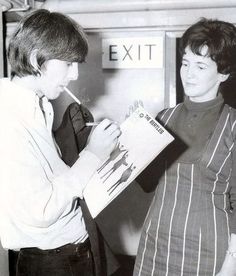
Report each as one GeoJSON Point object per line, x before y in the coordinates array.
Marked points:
{"type": "Point", "coordinates": [118, 138]}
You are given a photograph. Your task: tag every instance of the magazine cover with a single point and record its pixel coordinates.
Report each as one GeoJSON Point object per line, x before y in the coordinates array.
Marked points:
{"type": "Point", "coordinates": [142, 139]}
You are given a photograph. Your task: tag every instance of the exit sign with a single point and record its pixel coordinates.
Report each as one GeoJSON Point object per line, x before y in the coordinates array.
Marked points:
{"type": "Point", "coordinates": [135, 52]}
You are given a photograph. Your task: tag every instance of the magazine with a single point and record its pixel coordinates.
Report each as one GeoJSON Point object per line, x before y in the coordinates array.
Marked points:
{"type": "Point", "coordinates": [142, 139]}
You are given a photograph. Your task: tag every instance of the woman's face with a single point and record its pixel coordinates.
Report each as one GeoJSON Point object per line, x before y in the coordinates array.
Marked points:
{"type": "Point", "coordinates": [199, 76]}
{"type": "Point", "coordinates": [54, 75]}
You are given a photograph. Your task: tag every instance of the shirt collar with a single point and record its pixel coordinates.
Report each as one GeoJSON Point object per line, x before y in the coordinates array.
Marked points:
{"type": "Point", "coordinates": [22, 100]}
{"type": "Point", "coordinates": [203, 106]}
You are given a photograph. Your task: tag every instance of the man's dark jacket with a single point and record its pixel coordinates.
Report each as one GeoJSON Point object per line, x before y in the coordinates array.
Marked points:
{"type": "Point", "coordinates": [71, 137]}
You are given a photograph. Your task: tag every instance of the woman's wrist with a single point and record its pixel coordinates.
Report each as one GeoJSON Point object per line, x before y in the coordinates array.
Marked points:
{"type": "Point", "coordinates": [231, 253]}
{"type": "Point", "coordinates": [229, 265]}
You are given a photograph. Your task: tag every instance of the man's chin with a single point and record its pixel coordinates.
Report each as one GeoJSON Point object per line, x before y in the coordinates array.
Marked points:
{"type": "Point", "coordinates": [55, 95]}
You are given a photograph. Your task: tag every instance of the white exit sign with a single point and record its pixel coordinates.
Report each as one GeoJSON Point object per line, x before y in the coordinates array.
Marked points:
{"type": "Point", "coordinates": [135, 52]}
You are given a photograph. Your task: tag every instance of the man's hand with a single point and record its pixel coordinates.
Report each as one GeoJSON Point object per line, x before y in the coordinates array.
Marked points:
{"type": "Point", "coordinates": [103, 139]}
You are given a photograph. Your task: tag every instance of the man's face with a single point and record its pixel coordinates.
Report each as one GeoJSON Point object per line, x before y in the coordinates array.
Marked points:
{"type": "Point", "coordinates": [54, 75]}
{"type": "Point", "coordinates": [200, 76]}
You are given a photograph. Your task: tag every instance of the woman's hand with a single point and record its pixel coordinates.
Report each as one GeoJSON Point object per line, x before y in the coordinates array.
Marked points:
{"type": "Point", "coordinates": [228, 269]}
{"type": "Point", "coordinates": [103, 139]}
{"type": "Point", "coordinates": [229, 265]}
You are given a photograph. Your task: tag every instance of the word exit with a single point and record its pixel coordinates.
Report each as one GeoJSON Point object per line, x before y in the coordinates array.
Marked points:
{"type": "Point", "coordinates": [135, 52]}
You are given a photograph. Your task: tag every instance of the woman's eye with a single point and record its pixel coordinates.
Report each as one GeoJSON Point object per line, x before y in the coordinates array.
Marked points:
{"type": "Point", "coordinates": [201, 67]}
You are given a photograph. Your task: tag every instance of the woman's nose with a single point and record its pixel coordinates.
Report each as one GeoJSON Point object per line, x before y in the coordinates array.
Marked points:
{"type": "Point", "coordinates": [190, 72]}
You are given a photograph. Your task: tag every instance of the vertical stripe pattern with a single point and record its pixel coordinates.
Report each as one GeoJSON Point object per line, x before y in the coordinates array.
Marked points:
{"type": "Point", "coordinates": [186, 221]}
{"type": "Point", "coordinates": [190, 210]}
{"type": "Point", "coordinates": [158, 225]}
{"type": "Point", "coordinates": [199, 252]}
{"type": "Point", "coordinates": [171, 220]}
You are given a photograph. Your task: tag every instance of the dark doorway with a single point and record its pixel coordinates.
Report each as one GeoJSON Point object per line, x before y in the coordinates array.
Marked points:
{"type": "Point", "coordinates": [179, 86]}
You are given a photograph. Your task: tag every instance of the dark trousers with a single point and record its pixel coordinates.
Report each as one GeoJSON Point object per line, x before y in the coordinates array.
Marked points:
{"type": "Point", "coordinates": [68, 260]}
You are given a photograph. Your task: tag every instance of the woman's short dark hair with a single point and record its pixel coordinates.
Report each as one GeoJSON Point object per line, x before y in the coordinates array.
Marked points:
{"type": "Point", "coordinates": [52, 34]}
{"type": "Point", "coordinates": [219, 37]}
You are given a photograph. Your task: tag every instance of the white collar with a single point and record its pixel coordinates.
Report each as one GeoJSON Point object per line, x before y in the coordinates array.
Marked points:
{"type": "Point", "coordinates": [23, 101]}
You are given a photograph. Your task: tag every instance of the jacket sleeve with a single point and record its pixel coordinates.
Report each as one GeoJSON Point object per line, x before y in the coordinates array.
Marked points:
{"type": "Point", "coordinates": [72, 134]}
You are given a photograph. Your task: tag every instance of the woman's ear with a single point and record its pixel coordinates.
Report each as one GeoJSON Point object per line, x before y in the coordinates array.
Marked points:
{"type": "Point", "coordinates": [34, 62]}
{"type": "Point", "coordinates": [224, 77]}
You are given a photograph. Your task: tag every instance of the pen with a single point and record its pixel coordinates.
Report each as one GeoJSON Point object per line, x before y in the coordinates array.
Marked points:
{"type": "Point", "coordinates": [72, 95]}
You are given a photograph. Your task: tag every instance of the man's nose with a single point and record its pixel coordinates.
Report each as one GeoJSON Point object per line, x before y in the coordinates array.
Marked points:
{"type": "Point", "coordinates": [74, 71]}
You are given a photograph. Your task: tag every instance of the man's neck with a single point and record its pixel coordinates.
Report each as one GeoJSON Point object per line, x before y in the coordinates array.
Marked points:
{"type": "Point", "coordinates": [28, 82]}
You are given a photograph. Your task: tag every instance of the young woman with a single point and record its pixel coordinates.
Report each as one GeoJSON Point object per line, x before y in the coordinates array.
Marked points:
{"type": "Point", "coordinates": [39, 212]}
{"type": "Point", "coordinates": [190, 228]}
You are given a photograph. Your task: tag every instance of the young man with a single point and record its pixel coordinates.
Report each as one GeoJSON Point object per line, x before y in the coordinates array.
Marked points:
{"type": "Point", "coordinates": [39, 212]}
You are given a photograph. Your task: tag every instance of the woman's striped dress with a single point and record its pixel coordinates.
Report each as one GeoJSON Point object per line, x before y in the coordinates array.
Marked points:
{"type": "Point", "coordinates": [187, 228]}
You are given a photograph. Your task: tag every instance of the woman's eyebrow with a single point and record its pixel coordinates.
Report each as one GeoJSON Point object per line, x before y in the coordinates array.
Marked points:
{"type": "Point", "coordinates": [198, 62]}
{"type": "Point", "coordinates": [202, 63]}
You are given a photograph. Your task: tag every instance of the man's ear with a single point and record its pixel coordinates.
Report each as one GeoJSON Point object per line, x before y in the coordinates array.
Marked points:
{"type": "Point", "coordinates": [224, 77]}
{"type": "Point", "coordinates": [34, 62]}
